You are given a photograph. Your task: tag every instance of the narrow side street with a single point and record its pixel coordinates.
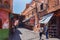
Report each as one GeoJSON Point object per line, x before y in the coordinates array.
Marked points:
{"type": "Point", "coordinates": [25, 34]}
{"type": "Point", "coordinates": [28, 35]}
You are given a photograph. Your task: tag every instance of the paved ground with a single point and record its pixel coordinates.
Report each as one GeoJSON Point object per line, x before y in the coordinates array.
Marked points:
{"type": "Point", "coordinates": [25, 34]}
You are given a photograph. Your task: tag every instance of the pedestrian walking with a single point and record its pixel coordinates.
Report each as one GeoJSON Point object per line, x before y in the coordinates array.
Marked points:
{"type": "Point", "coordinates": [41, 32]}
{"type": "Point", "coordinates": [16, 23]}
{"type": "Point", "coordinates": [46, 30]}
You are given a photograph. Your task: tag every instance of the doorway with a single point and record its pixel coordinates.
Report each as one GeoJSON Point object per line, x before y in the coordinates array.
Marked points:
{"type": "Point", "coordinates": [58, 24]}
{"type": "Point", "coordinates": [0, 23]}
{"type": "Point", "coordinates": [52, 26]}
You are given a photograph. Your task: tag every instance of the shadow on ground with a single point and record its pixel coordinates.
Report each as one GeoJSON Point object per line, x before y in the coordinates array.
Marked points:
{"type": "Point", "coordinates": [15, 35]}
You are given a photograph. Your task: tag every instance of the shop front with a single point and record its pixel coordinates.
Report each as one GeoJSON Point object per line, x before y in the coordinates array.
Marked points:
{"type": "Point", "coordinates": [29, 22]}
{"type": "Point", "coordinates": [52, 19]}
{"type": "Point", "coordinates": [54, 26]}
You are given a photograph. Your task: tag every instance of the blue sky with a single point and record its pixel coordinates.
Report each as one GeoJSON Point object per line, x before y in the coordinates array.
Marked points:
{"type": "Point", "coordinates": [19, 5]}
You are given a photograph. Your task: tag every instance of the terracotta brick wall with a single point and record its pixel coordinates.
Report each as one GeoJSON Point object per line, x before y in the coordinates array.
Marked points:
{"type": "Point", "coordinates": [4, 16]}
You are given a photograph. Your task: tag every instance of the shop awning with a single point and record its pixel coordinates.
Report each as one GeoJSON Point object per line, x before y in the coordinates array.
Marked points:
{"type": "Point", "coordinates": [45, 19]}
{"type": "Point", "coordinates": [27, 18]}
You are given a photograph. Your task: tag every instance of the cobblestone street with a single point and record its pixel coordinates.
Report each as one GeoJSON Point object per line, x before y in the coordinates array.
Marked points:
{"type": "Point", "coordinates": [28, 35]}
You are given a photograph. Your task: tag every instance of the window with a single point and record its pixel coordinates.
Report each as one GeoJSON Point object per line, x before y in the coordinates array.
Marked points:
{"type": "Point", "coordinates": [41, 6]}
{"type": "Point", "coordinates": [28, 15]}
{"type": "Point", "coordinates": [46, 1]}
{"type": "Point", "coordinates": [0, 1]}
{"type": "Point", "coordinates": [56, 2]}
{"type": "Point", "coordinates": [39, 16]}
{"type": "Point", "coordinates": [32, 12]}
{"type": "Point", "coordinates": [6, 4]}
{"type": "Point", "coordinates": [59, 2]}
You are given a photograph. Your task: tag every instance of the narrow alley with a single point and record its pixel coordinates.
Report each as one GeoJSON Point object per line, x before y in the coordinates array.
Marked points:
{"type": "Point", "coordinates": [25, 34]}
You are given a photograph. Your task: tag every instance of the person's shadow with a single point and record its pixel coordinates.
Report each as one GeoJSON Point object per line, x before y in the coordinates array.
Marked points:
{"type": "Point", "coordinates": [15, 35]}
